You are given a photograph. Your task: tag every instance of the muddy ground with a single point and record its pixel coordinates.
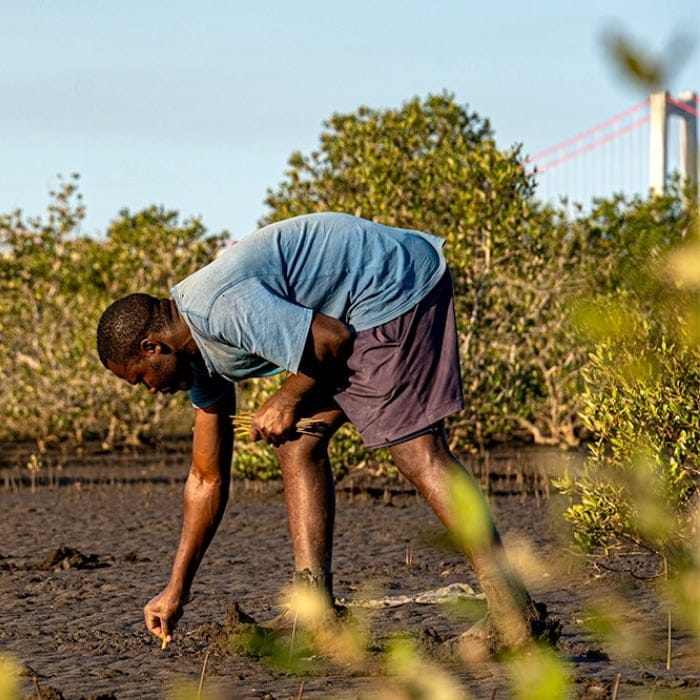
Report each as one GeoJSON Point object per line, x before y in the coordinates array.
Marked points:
{"type": "Point", "coordinates": [83, 551]}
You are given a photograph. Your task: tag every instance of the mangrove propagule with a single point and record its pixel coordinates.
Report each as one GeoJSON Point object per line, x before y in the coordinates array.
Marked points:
{"type": "Point", "coordinates": [243, 421]}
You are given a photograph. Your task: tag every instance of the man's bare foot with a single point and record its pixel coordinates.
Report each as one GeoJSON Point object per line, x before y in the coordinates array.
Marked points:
{"type": "Point", "coordinates": [489, 638]}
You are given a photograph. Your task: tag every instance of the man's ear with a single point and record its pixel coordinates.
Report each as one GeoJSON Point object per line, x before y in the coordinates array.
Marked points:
{"type": "Point", "coordinates": [150, 346]}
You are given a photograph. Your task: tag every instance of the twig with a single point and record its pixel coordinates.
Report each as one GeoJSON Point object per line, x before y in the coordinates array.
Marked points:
{"type": "Point", "coordinates": [616, 688]}
{"type": "Point", "coordinates": [35, 680]}
{"type": "Point", "coordinates": [201, 677]}
{"type": "Point", "coordinates": [600, 563]}
{"type": "Point", "coordinates": [668, 641]}
{"type": "Point", "coordinates": [294, 634]}
{"type": "Point", "coordinates": [668, 622]}
{"type": "Point", "coordinates": [301, 691]}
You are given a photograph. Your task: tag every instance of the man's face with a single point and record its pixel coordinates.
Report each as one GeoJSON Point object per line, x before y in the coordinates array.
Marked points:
{"type": "Point", "coordinates": [157, 371]}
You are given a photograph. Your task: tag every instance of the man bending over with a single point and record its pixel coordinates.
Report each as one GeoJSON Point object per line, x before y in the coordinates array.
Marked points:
{"type": "Point", "coordinates": [361, 316]}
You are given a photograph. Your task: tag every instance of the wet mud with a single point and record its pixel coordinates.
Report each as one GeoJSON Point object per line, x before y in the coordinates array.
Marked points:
{"type": "Point", "coordinates": [84, 549]}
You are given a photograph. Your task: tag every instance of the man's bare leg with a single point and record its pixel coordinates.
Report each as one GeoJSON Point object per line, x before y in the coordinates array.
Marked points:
{"type": "Point", "coordinates": [309, 493]}
{"type": "Point", "coordinates": [427, 462]}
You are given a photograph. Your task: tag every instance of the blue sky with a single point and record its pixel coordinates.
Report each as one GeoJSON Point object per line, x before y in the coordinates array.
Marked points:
{"type": "Point", "coordinates": [198, 105]}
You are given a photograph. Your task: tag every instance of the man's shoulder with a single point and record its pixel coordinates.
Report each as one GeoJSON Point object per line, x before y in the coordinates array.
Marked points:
{"type": "Point", "coordinates": [196, 293]}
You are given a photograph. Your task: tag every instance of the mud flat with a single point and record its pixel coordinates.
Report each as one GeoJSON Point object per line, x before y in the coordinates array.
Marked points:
{"type": "Point", "coordinates": [83, 551]}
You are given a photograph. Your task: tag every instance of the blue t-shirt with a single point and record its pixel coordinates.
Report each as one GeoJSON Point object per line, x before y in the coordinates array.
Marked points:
{"type": "Point", "coordinates": [250, 310]}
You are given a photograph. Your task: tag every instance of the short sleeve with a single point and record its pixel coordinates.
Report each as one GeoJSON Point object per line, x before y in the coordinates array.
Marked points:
{"type": "Point", "coordinates": [262, 323]}
{"type": "Point", "coordinates": [207, 390]}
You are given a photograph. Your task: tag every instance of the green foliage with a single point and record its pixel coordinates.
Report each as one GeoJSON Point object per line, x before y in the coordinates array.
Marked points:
{"type": "Point", "coordinates": [413, 676]}
{"type": "Point", "coordinates": [472, 531]}
{"type": "Point", "coordinates": [151, 250]}
{"type": "Point", "coordinates": [434, 166]}
{"type": "Point", "coordinates": [54, 285]}
{"type": "Point", "coordinates": [522, 273]}
{"type": "Point", "coordinates": [641, 391]}
{"type": "Point", "coordinates": [539, 673]}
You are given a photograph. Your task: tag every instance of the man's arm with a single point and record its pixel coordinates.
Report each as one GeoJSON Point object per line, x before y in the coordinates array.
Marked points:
{"type": "Point", "coordinates": [327, 347]}
{"type": "Point", "coordinates": [205, 497]}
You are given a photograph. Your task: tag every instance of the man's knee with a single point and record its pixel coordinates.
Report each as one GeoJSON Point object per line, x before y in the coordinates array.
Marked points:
{"type": "Point", "coordinates": [304, 452]}
{"type": "Point", "coordinates": [422, 454]}
{"type": "Point", "coordinates": [311, 449]}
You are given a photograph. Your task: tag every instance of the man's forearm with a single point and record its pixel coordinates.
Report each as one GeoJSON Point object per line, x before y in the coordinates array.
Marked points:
{"type": "Point", "coordinates": [206, 490]}
{"type": "Point", "coordinates": [204, 505]}
{"type": "Point", "coordinates": [325, 354]}
{"type": "Point", "coordinates": [296, 387]}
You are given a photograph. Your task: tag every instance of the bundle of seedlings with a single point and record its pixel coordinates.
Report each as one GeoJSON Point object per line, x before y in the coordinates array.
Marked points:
{"type": "Point", "coordinates": [243, 421]}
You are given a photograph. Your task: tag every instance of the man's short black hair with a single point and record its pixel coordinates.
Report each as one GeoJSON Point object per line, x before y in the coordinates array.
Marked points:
{"type": "Point", "coordinates": [124, 324]}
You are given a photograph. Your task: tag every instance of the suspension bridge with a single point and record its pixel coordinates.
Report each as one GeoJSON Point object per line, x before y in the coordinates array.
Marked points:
{"type": "Point", "coordinates": [633, 153]}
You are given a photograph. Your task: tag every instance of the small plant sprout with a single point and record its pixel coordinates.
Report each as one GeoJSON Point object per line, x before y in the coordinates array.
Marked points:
{"type": "Point", "coordinates": [34, 465]}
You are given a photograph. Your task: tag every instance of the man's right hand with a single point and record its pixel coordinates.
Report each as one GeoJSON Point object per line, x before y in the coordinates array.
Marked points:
{"type": "Point", "coordinates": [276, 419]}
{"type": "Point", "coordinates": [162, 614]}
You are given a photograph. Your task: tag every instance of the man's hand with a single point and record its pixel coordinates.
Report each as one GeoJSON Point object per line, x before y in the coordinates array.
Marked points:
{"type": "Point", "coordinates": [276, 419]}
{"type": "Point", "coordinates": [327, 346]}
{"type": "Point", "coordinates": [205, 496]}
{"type": "Point", "coordinates": [162, 614]}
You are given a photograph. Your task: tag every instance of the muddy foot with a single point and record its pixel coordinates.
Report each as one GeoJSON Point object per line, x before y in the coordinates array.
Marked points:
{"type": "Point", "coordinates": [478, 644]}
{"type": "Point", "coordinates": [289, 620]}
{"type": "Point", "coordinates": [484, 640]}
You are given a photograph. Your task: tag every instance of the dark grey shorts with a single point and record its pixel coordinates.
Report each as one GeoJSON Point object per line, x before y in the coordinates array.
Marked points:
{"type": "Point", "coordinates": [404, 375]}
